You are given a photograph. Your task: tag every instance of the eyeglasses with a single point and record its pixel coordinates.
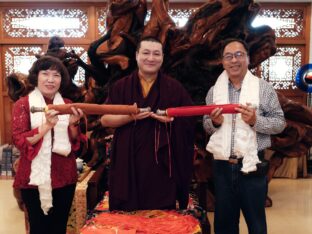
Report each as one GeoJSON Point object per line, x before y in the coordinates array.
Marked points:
{"type": "Point", "coordinates": [239, 55]}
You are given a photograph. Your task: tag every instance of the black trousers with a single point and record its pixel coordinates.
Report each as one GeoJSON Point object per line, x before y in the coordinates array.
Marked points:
{"type": "Point", "coordinates": [235, 192]}
{"type": "Point", "coordinates": [56, 220]}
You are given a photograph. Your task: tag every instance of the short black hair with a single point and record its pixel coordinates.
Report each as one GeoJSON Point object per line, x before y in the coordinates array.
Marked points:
{"type": "Point", "coordinates": [230, 40]}
{"type": "Point", "coordinates": [48, 62]}
{"type": "Point", "coordinates": [152, 39]}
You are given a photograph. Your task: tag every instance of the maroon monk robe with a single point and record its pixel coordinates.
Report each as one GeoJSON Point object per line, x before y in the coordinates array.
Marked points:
{"type": "Point", "coordinates": [139, 177]}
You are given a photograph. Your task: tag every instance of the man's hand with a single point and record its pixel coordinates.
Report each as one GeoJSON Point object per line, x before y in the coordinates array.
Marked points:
{"type": "Point", "coordinates": [248, 114]}
{"type": "Point", "coordinates": [162, 118]}
{"type": "Point", "coordinates": [216, 116]}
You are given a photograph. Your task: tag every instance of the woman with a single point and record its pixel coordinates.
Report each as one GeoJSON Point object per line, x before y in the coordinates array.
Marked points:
{"type": "Point", "coordinates": [47, 172]}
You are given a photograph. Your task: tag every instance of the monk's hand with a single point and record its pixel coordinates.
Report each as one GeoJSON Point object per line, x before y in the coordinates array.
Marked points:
{"type": "Point", "coordinates": [162, 118]}
{"type": "Point", "coordinates": [51, 118]}
{"type": "Point", "coordinates": [75, 116]}
{"type": "Point", "coordinates": [141, 115]}
{"type": "Point", "coordinates": [216, 116]}
{"type": "Point", "coordinates": [248, 113]}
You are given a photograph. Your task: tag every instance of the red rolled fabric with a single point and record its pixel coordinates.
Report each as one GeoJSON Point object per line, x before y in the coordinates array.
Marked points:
{"type": "Point", "coordinates": [91, 109]}
{"type": "Point", "coordinates": [200, 110]}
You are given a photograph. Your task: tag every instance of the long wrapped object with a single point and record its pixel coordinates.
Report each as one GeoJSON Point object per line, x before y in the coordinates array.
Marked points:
{"type": "Point", "coordinates": [198, 110]}
{"type": "Point", "coordinates": [91, 109]}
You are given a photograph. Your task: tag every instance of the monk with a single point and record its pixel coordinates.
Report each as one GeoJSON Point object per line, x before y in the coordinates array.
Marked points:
{"type": "Point", "coordinates": [152, 155]}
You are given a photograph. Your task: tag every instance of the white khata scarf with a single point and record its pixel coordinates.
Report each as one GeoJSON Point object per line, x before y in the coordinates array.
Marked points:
{"type": "Point", "coordinates": [41, 165]}
{"type": "Point", "coordinates": [245, 140]}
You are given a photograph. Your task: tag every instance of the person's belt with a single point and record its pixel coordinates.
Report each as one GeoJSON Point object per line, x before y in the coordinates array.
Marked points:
{"type": "Point", "coordinates": [233, 159]}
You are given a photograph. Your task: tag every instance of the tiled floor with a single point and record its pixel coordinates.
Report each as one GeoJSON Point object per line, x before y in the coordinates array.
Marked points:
{"type": "Point", "coordinates": [11, 217]}
{"type": "Point", "coordinates": [291, 212]}
{"type": "Point", "coordinates": [292, 207]}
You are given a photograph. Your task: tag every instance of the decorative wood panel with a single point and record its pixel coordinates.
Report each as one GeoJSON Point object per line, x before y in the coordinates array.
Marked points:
{"type": "Point", "coordinates": [281, 69]}
{"type": "Point", "coordinates": [36, 22]}
{"type": "Point", "coordinates": [81, 51]}
{"type": "Point", "coordinates": [291, 25]}
{"type": "Point", "coordinates": [20, 58]}
{"type": "Point", "coordinates": [286, 22]}
{"type": "Point", "coordinates": [101, 14]}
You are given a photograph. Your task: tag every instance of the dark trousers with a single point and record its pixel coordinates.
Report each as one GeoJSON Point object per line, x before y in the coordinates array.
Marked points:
{"type": "Point", "coordinates": [235, 191]}
{"type": "Point", "coordinates": [56, 220]}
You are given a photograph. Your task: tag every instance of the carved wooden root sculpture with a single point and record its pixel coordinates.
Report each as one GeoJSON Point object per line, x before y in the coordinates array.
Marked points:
{"type": "Point", "coordinates": [124, 15]}
{"type": "Point", "coordinates": [160, 22]}
{"type": "Point", "coordinates": [296, 139]}
{"type": "Point", "coordinates": [18, 86]}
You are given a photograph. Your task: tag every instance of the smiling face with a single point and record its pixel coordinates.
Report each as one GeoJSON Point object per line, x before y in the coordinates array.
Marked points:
{"type": "Point", "coordinates": [149, 58]}
{"type": "Point", "coordinates": [237, 64]}
{"type": "Point", "coordinates": [49, 82]}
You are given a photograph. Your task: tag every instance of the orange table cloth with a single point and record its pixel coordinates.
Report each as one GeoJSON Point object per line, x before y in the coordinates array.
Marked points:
{"type": "Point", "coordinates": [143, 222]}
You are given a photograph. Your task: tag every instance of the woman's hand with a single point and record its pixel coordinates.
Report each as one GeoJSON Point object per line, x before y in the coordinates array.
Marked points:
{"type": "Point", "coordinates": [51, 118]}
{"type": "Point", "coordinates": [76, 116]}
{"type": "Point", "coordinates": [51, 121]}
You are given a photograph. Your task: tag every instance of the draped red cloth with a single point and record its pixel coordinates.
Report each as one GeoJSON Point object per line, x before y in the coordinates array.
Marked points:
{"type": "Point", "coordinates": [200, 110]}
{"type": "Point", "coordinates": [94, 109]}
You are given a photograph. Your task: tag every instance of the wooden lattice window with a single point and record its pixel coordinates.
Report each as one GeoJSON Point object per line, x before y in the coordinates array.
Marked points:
{"type": "Point", "coordinates": [82, 53]}
{"type": "Point", "coordinates": [28, 23]}
{"type": "Point", "coordinates": [101, 20]}
{"type": "Point", "coordinates": [281, 68]}
{"type": "Point", "coordinates": [287, 23]}
{"type": "Point", "coordinates": [20, 58]}
{"type": "Point", "coordinates": [181, 15]}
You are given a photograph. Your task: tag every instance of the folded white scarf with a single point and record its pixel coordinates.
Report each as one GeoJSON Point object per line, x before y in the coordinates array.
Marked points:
{"type": "Point", "coordinates": [41, 165]}
{"type": "Point", "coordinates": [245, 139]}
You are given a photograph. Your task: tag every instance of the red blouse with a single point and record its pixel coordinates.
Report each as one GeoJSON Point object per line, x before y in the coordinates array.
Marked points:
{"type": "Point", "coordinates": [63, 169]}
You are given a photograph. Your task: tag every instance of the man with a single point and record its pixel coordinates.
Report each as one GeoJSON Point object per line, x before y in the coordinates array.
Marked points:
{"type": "Point", "coordinates": [151, 164]}
{"type": "Point", "coordinates": [238, 141]}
